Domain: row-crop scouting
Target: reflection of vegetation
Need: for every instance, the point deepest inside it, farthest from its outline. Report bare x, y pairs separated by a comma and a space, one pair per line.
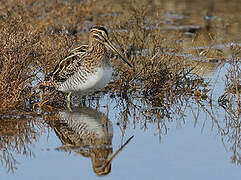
16, 136
230, 101
87, 132
231, 97
231, 134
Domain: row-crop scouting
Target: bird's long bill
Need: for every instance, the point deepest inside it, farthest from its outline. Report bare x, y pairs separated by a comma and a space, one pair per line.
110, 45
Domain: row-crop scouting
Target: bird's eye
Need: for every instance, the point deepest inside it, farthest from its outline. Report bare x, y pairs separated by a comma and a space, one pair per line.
97, 37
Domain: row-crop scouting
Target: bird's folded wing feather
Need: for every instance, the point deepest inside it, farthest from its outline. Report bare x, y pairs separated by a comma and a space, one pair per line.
68, 66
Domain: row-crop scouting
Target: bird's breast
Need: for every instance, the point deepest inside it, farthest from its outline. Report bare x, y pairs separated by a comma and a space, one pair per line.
83, 82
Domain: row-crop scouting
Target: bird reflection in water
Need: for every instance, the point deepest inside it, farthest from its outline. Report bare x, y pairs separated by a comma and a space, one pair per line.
87, 132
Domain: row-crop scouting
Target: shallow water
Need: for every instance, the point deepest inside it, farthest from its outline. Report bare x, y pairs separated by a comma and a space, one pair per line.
197, 139
186, 148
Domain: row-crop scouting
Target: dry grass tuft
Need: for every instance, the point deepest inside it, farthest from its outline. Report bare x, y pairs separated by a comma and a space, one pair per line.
32, 40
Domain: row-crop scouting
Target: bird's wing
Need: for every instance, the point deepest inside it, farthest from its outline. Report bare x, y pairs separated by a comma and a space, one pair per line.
67, 66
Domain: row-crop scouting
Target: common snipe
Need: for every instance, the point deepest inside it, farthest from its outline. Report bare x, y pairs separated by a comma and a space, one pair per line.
87, 68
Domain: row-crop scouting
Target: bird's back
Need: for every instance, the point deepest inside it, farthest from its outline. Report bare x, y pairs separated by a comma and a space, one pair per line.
67, 66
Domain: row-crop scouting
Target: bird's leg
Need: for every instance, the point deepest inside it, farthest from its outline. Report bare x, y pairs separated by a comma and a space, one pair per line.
83, 101
69, 101
69, 97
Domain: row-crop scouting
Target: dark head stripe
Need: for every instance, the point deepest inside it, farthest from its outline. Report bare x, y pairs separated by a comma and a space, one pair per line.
99, 28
